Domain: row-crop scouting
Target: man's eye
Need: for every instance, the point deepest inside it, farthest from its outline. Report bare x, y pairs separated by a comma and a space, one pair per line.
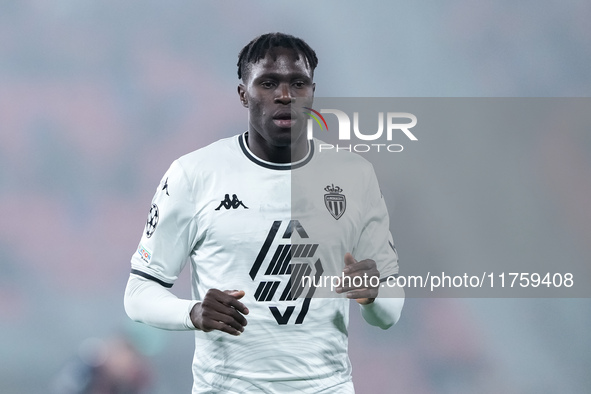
267, 85
299, 84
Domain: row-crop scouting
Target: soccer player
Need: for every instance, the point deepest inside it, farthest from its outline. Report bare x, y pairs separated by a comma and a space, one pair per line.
295, 213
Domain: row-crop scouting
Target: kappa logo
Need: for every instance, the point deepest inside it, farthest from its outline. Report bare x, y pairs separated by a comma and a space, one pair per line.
293, 260
234, 203
335, 202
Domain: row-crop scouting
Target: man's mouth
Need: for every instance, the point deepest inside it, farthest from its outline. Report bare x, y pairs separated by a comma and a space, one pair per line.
284, 120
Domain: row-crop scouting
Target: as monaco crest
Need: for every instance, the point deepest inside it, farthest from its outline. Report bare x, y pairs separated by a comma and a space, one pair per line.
335, 201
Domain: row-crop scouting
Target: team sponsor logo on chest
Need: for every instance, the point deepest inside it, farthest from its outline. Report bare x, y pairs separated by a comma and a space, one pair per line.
335, 201
294, 260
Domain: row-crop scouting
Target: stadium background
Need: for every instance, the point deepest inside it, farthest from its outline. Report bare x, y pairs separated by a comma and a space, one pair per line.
98, 97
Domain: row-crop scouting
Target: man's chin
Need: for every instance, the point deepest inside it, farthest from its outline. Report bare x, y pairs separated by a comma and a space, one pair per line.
284, 136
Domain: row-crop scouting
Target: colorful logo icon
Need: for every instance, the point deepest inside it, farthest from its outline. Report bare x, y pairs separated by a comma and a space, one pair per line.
145, 254
313, 114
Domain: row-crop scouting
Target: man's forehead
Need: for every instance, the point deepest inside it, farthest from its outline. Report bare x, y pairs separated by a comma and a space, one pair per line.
274, 53
279, 58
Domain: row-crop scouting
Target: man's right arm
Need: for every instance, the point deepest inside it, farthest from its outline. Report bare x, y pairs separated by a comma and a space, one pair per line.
149, 302
167, 240
170, 235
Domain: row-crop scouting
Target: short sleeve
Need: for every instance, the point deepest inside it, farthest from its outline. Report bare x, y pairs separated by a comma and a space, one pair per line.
170, 230
375, 241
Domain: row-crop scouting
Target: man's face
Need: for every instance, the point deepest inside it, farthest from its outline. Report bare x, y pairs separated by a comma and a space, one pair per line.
275, 91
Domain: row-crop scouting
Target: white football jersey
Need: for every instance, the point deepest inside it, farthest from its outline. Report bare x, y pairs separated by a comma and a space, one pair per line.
251, 225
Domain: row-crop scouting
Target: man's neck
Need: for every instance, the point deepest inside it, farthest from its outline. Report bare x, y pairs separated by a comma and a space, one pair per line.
290, 153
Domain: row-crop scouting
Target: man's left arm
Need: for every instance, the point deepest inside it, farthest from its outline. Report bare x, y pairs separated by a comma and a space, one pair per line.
382, 312
375, 247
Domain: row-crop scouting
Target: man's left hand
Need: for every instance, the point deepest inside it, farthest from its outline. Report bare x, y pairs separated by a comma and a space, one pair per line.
366, 270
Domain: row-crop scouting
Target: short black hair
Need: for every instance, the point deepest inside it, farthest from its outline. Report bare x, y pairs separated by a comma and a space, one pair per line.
258, 48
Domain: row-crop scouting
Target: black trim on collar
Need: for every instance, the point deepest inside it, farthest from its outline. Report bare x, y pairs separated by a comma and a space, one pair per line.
148, 276
272, 166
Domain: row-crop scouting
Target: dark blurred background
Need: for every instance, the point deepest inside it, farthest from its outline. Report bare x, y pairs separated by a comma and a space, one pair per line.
97, 98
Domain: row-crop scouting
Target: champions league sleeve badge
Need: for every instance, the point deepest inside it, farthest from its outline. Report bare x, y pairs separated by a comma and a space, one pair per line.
152, 222
335, 201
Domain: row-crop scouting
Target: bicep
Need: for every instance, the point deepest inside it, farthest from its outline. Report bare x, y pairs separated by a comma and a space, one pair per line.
170, 230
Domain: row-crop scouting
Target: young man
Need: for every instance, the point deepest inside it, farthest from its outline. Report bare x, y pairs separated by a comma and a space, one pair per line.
294, 213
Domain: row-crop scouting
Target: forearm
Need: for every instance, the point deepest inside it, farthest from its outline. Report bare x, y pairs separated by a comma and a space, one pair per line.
148, 302
383, 312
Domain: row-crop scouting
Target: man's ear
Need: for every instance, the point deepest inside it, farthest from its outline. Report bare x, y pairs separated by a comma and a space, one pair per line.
242, 95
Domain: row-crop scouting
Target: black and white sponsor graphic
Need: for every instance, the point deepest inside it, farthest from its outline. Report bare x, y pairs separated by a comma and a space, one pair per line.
292, 260
152, 222
335, 201
234, 203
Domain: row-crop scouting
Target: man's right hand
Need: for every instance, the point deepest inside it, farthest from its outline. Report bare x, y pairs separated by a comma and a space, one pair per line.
220, 310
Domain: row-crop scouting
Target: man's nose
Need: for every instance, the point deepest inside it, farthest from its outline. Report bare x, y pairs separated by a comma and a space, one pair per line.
284, 95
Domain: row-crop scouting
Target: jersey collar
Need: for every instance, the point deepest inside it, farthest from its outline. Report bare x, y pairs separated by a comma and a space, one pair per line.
270, 165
